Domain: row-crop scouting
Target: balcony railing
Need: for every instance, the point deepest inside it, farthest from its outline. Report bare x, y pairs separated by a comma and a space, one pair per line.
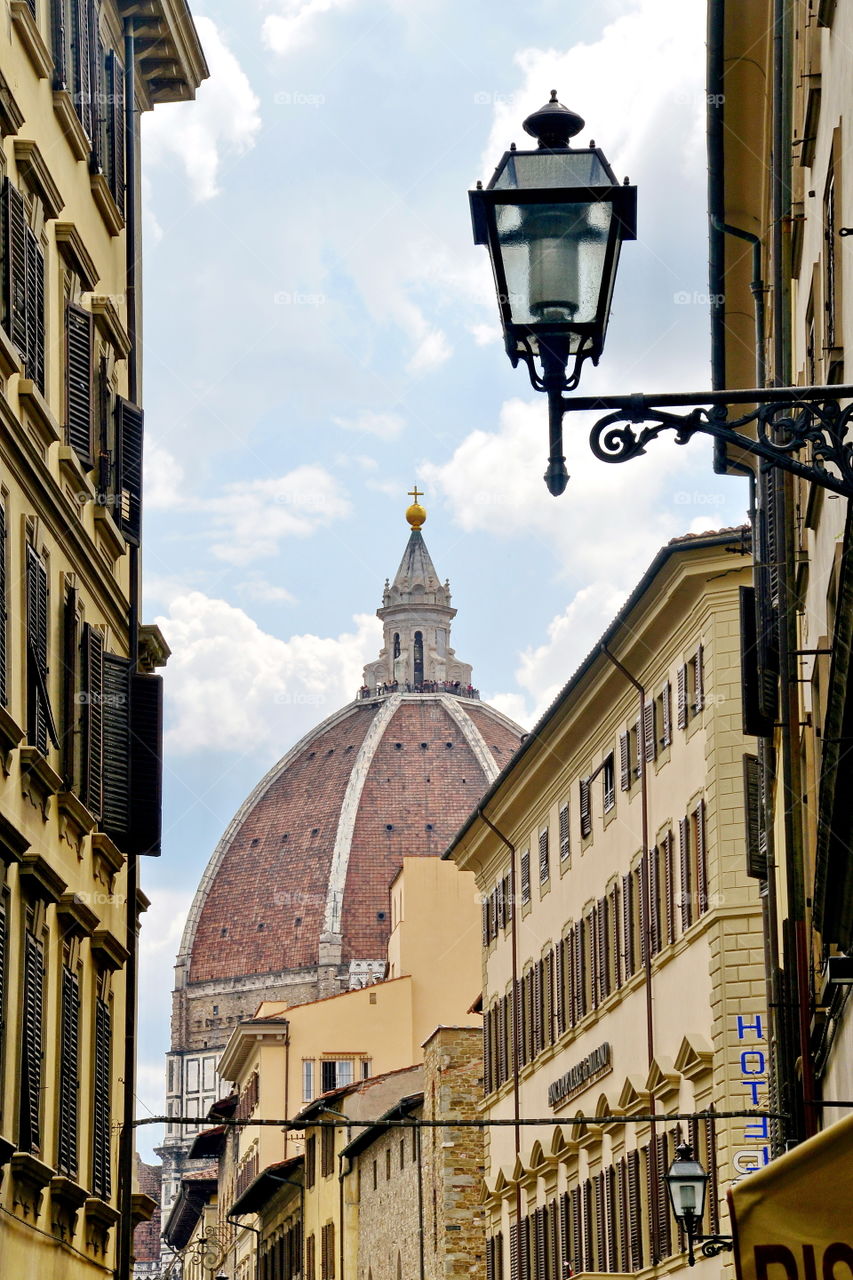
454, 687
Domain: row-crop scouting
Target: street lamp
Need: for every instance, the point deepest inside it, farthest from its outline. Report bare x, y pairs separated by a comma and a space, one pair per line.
688, 1183
553, 221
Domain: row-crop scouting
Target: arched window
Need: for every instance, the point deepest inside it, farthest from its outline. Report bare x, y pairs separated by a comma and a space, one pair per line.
419, 658
396, 644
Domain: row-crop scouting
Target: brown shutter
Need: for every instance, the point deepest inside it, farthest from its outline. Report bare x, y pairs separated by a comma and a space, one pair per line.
640, 887
544, 856
638, 738
701, 859
668, 887
577, 1232
624, 762
580, 967
649, 740
635, 1228
615, 947
115, 130
488, 1082
548, 995
493, 907
612, 1231
538, 1010
600, 1223
513, 1251
504, 1012
525, 877
539, 1228
35, 310
116, 770
563, 1253
129, 431
524, 1250
594, 956
15, 300
666, 715
29, 1135
560, 988
624, 1237
509, 904
654, 897
686, 886
490, 1258
628, 923
571, 976
711, 1166
682, 697
588, 1254
40, 721
69, 1069
586, 816
664, 1224
79, 332
603, 948
699, 663
565, 835
486, 922
101, 1117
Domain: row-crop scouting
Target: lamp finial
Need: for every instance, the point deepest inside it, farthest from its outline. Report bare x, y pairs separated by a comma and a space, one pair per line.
416, 514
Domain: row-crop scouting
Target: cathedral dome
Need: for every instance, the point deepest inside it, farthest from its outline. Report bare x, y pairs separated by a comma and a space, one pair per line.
294, 903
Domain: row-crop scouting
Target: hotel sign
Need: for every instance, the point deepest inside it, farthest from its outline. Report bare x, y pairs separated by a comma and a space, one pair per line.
576, 1079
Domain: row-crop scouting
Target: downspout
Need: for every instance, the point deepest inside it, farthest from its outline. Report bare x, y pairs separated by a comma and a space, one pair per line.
645, 921
714, 118
420, 1168
516, 1010
127, 1143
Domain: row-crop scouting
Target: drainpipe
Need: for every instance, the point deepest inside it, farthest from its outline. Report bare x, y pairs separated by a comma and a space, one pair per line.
244, 1226
127, 1143
645, 921
516, 1012
420, 1168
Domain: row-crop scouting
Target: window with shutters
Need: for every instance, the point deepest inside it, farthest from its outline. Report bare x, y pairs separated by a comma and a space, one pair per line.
114, 142
327, 1252
604, 950
664, 716
71, 702
681, 693
635, 1211
130, 425
23, 285
608, 783
668, 887
615, 943
588, 1226
700, 867
4, 604
655, 905
685, 896
544, 856
629, 949
565, 833
101, 1108
587, 975
696, 682
40, 722
69, 1071
585, 810
92, 790
625, 774
525, 877
32, 1038
79, 350
4, 966
310, 1265
327, 1151
310, 1160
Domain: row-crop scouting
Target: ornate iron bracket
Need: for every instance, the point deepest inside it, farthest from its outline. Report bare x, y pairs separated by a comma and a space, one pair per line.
712, 1245
787, 421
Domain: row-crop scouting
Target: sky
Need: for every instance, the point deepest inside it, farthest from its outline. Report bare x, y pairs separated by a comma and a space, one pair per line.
321, 333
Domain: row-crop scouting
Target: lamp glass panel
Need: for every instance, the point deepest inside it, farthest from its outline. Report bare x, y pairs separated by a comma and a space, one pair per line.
521, 170
554, 257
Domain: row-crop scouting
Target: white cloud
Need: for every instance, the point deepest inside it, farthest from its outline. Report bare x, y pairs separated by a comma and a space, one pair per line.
257, 588
387, 426
223, 121
251, 517
230, 682
164, 477
431, 352
484, 334
286, 31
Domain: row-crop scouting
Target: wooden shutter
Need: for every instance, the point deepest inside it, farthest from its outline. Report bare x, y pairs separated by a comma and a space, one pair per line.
29, 1137
82, 64
493, 912
603, 948
711, 1166
699, 687
101, 1163
540, 1240
525, 877
93, 724
571, 976
486, 922
59, 41
615, 947
564, 1251
624, 761
35, 310
4, 687
701, 859
612, 1230
3, 945
40, 721
635, 1226
524, 1250
488, 1077
15, 300
505, 1027
536, 998
654, 901
686, 885
588, 1231
508, 902
664, 1232
70, 704
130, 423
544, 856
666, 715
577, 1231
682, 696
490, 1258
79, 335
756, 852
565, 836
628, 922
624, 1236
641, 875
116, 728
600, 1223
638, 739
548, 995
580, 968
69, 1068
513, 1251
669, 887
586, 816
649, 739
115, 130
560, 988
310, 1264
594, 954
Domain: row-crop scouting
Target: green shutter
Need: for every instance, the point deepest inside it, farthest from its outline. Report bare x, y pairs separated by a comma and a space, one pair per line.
130, 422
101, 1164
116, 762
29, 1135
93, 720
79, 330
146, 765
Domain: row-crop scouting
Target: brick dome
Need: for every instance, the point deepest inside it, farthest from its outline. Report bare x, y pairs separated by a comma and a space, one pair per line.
309, 858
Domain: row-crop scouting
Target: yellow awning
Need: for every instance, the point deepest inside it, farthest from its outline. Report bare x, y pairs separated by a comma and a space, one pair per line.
793, 1220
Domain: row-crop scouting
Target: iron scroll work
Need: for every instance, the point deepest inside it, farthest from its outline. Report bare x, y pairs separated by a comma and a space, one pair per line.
788, 420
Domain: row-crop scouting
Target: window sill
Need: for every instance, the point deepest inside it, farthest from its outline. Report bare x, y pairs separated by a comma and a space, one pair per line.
45, 426
78, 920
110, 326
30, 37
40, 877
39, 780
108, 852
10, 358
33, 169
111, 536
74, 472
70, 244
108, 950
66, 1199
11, 115
69, 122
108, 208
75, 820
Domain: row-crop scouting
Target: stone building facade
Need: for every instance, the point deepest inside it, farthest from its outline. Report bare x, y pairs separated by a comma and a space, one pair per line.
623, 954
80, 702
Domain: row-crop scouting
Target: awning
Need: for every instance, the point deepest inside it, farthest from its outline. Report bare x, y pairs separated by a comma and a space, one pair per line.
793, 1220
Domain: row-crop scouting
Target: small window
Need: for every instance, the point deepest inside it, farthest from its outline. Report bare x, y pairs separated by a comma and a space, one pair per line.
387, 1164
585, 810
375, 1175
544, 856
565, 844
308, 1080
402, 1153
525, 877
696, 681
